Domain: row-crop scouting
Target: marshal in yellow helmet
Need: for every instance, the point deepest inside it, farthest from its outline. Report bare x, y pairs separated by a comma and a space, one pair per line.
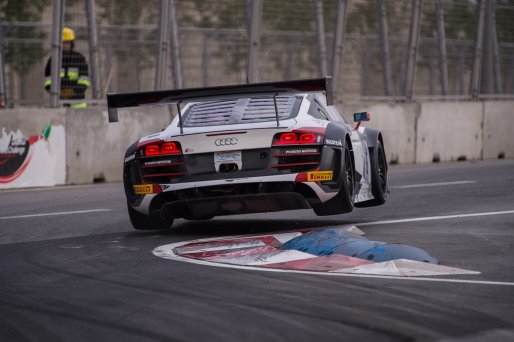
68, 35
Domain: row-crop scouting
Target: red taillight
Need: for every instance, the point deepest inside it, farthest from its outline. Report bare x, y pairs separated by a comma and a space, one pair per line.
297, 138
307, 138
170, 147
287, 138
152, 150
157, 149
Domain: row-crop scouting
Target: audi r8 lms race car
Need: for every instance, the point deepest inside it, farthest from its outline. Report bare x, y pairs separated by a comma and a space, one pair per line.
249, 149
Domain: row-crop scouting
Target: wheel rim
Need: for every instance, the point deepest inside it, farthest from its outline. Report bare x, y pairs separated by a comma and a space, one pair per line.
349, 173
382, 170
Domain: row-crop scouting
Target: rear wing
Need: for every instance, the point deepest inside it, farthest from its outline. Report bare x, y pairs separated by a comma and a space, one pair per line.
115, 101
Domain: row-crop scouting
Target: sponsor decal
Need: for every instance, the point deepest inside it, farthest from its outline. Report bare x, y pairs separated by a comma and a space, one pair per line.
129, 158
157, 162
334, 142
318, 176
310, 150
36, 160
226, 141
143, 189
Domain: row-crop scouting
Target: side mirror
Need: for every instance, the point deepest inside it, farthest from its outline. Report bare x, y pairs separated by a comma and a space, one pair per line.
362, 116
359, 117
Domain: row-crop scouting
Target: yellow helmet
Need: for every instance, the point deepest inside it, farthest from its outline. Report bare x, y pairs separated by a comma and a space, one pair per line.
68, 35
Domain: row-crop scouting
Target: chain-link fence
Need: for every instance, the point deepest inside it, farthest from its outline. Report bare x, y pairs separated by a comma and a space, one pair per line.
375, 48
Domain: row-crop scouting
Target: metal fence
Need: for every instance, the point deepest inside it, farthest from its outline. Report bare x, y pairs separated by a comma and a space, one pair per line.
374, 49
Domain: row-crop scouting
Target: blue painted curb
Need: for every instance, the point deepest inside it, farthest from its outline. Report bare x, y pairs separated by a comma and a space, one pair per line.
339, 241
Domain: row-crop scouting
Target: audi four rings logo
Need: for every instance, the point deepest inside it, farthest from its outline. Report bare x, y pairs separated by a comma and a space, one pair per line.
225, 141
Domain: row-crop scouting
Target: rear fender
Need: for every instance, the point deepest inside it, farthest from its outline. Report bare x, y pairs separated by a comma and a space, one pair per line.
372, 137
131, 175
335, 137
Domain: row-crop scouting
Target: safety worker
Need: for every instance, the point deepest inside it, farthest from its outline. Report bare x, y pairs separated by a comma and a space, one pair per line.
74, 74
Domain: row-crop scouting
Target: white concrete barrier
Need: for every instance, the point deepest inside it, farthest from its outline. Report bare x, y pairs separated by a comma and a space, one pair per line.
498, 129
448, 131
95, 148
397, 122
79, 146
32, 148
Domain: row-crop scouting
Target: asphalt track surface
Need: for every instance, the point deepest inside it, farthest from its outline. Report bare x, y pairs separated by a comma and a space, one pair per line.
71, 274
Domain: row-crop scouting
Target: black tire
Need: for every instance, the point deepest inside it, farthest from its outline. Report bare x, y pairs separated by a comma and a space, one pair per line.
147, 222
378, 177
343, 201
204, 218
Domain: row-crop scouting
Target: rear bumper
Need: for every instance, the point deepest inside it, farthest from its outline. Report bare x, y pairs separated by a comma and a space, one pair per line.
231, 205
271, 187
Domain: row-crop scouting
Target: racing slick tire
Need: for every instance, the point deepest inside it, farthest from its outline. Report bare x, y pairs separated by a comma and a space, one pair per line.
146, 222
378, 177
203, 218
343, 201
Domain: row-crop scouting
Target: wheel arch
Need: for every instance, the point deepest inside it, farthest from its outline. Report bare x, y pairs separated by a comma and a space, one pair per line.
373, 136
350, 146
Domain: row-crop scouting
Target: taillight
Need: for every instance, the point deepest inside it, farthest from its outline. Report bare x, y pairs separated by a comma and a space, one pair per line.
158, 149
297, 138
152, 150
287, 138
169, 148
307, 138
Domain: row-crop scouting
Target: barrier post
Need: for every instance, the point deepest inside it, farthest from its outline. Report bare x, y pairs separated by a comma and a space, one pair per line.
322, 43
441, 40
175, 46
162, 54
477, 57
384, 42
413, 48
255, 41
3, 91
339, 37
93, 49
57, 20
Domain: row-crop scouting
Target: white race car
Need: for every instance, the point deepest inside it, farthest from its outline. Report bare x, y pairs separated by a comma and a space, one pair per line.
249, 149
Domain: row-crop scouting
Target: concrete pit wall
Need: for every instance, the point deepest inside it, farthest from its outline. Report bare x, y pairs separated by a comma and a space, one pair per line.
448, 131
30, 120
432, 131
95, 148
423, 132
498, 131
397, 122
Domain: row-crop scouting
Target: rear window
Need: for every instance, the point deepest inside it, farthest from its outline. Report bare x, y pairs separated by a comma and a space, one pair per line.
241, 111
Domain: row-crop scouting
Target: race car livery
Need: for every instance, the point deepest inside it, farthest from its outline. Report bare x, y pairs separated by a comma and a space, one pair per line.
250, 149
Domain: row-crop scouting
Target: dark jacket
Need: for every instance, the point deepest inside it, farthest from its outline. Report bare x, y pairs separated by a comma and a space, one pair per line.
74, 76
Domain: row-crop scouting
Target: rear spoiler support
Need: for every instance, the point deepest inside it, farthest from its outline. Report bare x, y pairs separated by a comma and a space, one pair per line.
115, 101
276, 109
179, 111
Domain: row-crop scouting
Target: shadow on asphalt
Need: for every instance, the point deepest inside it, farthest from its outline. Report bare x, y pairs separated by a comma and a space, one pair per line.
223, 227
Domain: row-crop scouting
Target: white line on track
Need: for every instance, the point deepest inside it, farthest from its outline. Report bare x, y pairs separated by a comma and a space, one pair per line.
55, 214
432, 218
427, 185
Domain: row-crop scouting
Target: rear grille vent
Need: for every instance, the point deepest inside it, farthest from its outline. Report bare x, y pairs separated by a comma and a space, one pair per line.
245, 110
162, 169
296, 159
